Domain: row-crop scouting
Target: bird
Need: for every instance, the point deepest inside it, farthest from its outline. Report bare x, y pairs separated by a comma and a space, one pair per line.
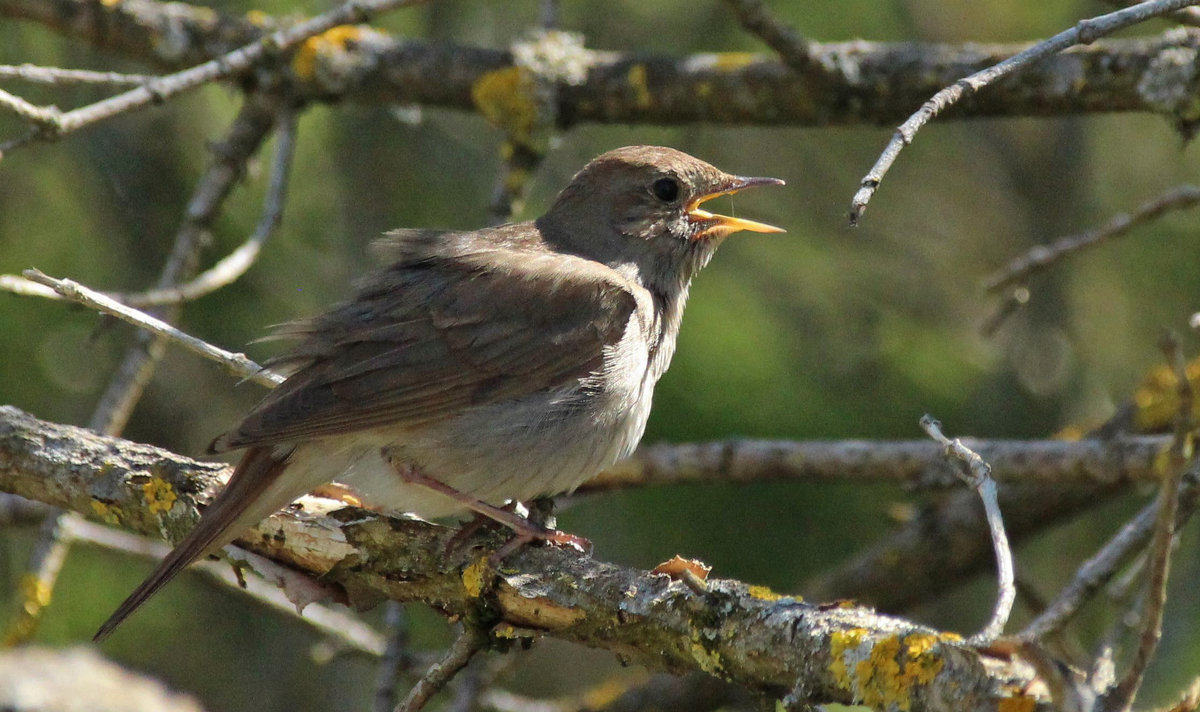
479, 368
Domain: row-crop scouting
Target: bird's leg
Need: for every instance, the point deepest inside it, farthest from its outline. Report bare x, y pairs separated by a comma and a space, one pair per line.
526, 530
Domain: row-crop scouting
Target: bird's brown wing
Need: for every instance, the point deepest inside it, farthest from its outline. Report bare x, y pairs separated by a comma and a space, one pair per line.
434, 335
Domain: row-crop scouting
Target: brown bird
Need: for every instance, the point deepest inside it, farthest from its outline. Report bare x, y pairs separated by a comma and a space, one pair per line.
483, 367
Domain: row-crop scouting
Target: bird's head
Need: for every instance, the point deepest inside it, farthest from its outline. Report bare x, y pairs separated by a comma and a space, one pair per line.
647, 200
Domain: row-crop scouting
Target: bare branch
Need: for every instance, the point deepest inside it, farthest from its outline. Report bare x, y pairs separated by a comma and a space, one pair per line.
249, 129
236, 263
53, 124
347, 631
1084, 32
861, 83
978, 475
758, 19
37, 584
236, 364
1121, 697
469, 642
648, 618
1042, 257
56, 75
1054, 463
1103, 565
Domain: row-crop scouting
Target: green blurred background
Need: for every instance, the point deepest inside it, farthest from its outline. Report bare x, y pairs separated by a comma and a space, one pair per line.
824, 332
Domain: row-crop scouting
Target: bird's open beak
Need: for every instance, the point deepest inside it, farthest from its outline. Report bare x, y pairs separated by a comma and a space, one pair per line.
721, 225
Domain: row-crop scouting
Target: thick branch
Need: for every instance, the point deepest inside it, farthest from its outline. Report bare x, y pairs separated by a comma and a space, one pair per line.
745, 634
842, 83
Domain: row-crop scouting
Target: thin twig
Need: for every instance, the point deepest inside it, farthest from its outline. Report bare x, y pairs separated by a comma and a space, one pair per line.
236, 263
249, 129
349, 632
978, 474
41, 116
37, 584
1041, 257
1084, 32
1098, 570
54, 124
1122, 695
237, 364
397, 657
1187, 16
227, 270
758, 19
57, 75
464, 647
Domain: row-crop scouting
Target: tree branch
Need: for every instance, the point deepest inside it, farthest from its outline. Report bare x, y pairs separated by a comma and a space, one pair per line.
844, 83
745, 634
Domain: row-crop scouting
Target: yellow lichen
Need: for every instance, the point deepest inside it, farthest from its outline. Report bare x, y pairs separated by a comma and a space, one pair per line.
304, 62
474, 577
882, 673
106, 512
729, 61
709, 660
35, 593
641, 88
763, 593
160, 496
110, 3
1156, 401
258, 17
878, 676
922, 665
505, 97
841, 644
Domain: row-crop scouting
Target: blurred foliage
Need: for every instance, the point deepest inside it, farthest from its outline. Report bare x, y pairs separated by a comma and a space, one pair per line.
820, 333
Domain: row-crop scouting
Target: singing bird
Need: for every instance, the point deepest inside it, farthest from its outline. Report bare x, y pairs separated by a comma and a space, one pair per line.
482, 367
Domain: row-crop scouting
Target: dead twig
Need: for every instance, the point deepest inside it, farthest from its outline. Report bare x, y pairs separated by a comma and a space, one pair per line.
1121, 696
50, 123
237, 364
465, 646
977, 473
1084, 32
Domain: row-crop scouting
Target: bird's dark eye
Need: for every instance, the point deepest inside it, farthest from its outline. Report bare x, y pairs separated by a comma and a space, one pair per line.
665, 189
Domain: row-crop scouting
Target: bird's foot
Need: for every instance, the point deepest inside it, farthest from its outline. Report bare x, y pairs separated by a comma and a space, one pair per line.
535, 532
526, 530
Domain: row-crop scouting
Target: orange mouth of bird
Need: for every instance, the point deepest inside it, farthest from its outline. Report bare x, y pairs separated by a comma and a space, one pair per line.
714, 225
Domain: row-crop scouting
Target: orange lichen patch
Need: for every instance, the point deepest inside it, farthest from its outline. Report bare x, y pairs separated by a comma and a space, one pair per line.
1020, 703
106, 512
1156, 401
882, 673
677, 565
505, 97
160, 495
336, 39
641, 88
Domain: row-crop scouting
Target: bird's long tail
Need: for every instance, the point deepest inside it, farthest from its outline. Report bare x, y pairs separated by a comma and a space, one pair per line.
247, 499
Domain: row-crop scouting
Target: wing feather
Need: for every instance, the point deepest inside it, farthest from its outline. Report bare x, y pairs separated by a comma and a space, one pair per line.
439, 332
